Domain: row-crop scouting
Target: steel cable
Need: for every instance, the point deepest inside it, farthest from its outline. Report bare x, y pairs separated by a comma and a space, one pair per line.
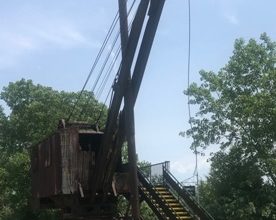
105, 63
109, 33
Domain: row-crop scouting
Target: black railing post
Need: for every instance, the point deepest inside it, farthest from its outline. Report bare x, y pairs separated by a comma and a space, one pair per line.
163, 169
190, 201
150, 175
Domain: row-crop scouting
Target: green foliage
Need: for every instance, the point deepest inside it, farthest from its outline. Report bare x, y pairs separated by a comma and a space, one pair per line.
145, 211
14, 185
35, 112
237, 111
36, 109
236, 188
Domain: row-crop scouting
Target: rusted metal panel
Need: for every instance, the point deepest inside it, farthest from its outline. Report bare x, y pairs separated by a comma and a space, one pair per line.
64, 162
76, 164
67, 145
45, 168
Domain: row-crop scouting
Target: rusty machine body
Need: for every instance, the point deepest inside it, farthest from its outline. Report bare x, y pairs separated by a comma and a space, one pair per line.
62, 168
78, 169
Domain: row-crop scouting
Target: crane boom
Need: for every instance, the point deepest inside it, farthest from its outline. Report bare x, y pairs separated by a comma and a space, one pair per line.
127, 87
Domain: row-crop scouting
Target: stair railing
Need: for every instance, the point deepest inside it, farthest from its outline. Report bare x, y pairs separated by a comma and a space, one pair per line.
154, 172
161, 203
154, 208
185, 196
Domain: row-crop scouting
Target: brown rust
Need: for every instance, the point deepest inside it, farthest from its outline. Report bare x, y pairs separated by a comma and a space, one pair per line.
64, 162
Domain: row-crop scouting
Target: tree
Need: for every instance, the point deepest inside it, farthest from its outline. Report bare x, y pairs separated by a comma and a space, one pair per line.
35, 112
14, 185
237, 111
36, 109
236, 188
123, 203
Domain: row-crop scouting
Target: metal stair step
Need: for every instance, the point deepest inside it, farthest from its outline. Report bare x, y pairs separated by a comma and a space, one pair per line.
185, 218
176, 204
179, 211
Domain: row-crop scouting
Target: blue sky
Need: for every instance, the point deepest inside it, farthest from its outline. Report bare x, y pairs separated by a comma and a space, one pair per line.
54, 44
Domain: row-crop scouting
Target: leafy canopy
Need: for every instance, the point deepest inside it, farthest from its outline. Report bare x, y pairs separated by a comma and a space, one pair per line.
36, 110
34, 114
237, 111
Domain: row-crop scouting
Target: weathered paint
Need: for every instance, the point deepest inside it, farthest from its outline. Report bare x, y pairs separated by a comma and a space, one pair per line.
60, 166
46, 172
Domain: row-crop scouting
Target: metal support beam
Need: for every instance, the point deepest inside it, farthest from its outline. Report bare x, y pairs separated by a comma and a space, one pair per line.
120, 88
120, 139
129, 118
123, 86
155, 12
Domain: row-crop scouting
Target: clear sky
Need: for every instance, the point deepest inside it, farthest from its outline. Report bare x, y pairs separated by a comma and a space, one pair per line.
55, 42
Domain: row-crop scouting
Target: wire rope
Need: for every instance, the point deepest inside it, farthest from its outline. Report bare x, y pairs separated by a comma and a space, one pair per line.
105, 63
110, 68
195, 174
109, 33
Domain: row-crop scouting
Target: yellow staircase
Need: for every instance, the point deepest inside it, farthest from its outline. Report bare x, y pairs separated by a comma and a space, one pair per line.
177, 208
167, 197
